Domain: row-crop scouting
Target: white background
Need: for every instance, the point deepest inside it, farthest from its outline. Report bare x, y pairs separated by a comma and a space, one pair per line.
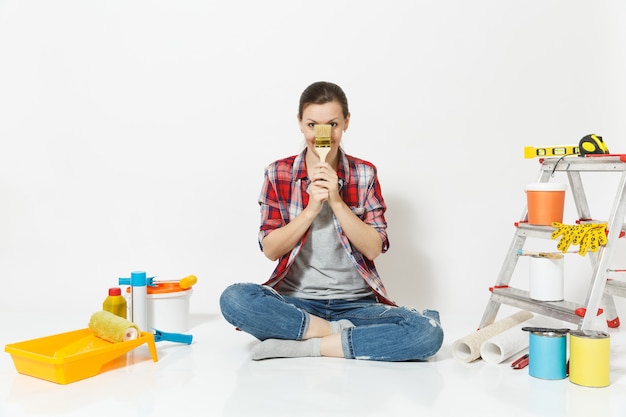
133, 134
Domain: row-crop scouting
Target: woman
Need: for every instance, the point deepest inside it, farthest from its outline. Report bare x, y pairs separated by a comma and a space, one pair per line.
324, 223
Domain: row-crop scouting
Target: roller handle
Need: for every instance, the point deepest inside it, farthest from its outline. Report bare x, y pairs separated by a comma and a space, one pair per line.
184, 283
172, 337
188, 281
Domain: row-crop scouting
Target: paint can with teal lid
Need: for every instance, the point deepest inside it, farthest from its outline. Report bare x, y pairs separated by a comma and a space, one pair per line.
547, 353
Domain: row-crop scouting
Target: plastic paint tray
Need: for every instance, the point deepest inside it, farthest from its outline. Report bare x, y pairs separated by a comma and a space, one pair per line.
68, 357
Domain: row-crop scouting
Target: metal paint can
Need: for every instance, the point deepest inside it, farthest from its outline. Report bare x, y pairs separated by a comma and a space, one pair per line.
547, 355
589, 362
546, 279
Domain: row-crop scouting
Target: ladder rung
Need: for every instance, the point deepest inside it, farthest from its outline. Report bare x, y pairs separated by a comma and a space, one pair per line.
563, 310
615, 287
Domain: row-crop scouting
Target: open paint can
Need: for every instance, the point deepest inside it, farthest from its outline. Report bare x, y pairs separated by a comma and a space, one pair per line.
589, 363
547, 355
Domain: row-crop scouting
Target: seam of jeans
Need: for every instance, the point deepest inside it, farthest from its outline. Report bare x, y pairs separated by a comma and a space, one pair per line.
346, 344
304, 325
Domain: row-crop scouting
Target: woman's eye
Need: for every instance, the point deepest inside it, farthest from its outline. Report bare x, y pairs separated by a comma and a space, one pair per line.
333, 124
311, 125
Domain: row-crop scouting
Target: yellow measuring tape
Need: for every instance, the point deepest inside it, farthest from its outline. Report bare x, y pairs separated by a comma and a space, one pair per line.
532, 152
593, 144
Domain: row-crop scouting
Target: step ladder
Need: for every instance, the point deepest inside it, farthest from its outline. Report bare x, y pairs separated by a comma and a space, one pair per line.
601, 291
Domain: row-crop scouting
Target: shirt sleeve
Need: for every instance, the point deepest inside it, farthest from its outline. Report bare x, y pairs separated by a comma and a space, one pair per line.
375, 208
271, 217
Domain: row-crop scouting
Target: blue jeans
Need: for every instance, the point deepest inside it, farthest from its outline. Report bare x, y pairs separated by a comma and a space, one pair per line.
381, 332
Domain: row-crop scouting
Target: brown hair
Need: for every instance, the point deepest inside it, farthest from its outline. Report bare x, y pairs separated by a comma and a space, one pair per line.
323, 92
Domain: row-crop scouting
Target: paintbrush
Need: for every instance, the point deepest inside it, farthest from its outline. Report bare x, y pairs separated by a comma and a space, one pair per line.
548, 255
322, 140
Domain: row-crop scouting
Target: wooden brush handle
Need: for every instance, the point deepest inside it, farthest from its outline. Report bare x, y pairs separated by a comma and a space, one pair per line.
323, 153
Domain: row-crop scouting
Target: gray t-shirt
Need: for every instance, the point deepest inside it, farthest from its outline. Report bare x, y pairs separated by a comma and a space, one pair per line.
322, 270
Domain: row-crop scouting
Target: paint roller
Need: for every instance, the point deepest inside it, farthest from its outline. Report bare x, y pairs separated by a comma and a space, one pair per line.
184, 283
115, 329
112, 328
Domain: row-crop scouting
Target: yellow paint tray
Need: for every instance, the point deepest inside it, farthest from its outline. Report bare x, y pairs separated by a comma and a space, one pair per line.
68, 357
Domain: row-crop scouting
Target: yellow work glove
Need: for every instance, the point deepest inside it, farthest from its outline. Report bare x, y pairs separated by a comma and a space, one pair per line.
589, 236
593, 238
567, 235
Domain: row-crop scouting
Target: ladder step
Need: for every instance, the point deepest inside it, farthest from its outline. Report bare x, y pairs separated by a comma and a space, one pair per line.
605, 163
615, 287
529, 230
562, 310
545, 232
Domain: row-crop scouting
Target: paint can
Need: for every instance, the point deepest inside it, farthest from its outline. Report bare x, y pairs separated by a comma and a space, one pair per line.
546, 201
546, 279
167, 306
547, 355
589, 363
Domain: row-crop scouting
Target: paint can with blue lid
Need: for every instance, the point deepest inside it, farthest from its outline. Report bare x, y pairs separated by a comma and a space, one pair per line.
547, 353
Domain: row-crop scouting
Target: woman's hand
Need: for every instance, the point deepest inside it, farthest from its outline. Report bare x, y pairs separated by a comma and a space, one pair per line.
324, 185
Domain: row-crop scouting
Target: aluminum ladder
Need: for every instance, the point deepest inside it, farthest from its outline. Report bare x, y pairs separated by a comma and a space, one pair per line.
601, 291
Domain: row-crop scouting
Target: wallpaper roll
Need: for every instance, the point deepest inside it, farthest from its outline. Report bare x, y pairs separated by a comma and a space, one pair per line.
512, 341
467, 349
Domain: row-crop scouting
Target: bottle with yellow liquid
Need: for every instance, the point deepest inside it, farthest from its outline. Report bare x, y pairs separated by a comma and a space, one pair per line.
115, 303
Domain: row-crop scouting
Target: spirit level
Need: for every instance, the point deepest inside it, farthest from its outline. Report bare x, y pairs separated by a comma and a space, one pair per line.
546, 152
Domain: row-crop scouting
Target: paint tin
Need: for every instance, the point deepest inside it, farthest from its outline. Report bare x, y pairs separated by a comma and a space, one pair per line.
167, 306
546, 201
546, 279
547, 355
589, 363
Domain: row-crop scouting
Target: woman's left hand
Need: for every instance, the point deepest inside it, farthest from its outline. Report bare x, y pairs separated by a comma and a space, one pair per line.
325, 179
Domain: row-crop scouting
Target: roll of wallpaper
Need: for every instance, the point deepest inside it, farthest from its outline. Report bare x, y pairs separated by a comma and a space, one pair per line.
467, 349
502, 346
112, 328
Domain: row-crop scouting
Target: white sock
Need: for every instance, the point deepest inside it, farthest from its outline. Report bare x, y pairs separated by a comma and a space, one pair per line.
278, 348
339, 326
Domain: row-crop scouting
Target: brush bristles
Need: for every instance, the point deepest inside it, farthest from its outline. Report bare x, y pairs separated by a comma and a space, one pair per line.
322, 142
322, 136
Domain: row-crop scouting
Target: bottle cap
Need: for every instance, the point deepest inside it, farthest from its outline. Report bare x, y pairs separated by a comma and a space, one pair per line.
115, 291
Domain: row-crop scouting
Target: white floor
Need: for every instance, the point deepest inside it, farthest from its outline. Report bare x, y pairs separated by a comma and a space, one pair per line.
214, 377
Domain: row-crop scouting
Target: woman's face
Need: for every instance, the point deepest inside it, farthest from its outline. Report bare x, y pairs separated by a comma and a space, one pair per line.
329, 113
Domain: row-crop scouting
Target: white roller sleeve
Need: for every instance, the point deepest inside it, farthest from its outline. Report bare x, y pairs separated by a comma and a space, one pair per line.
467, 349
512, 341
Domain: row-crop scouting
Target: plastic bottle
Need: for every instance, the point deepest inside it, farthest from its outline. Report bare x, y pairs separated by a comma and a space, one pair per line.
115, 303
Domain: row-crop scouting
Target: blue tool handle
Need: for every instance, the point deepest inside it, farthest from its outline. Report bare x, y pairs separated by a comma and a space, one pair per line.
172, 337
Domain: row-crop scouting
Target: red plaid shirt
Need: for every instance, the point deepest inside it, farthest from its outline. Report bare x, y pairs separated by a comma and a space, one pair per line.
284, 196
